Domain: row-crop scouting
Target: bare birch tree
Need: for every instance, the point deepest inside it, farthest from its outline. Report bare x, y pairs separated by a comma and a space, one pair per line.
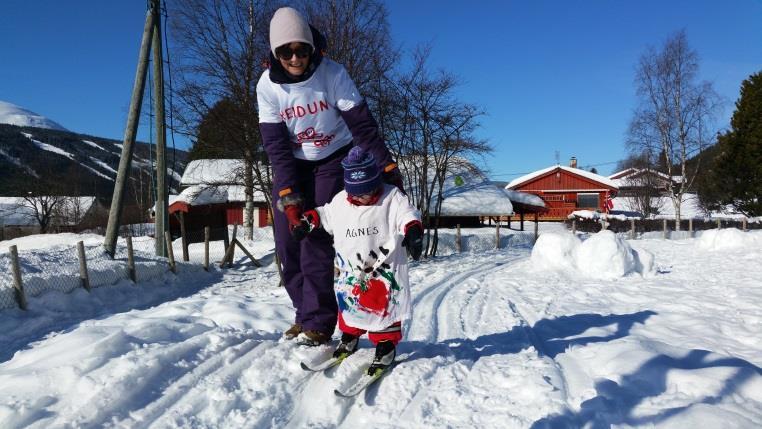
221, 46
675, 113
41, 207
432, 131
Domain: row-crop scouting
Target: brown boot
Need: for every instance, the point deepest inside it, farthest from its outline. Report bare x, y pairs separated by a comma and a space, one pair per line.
293, 331
312, 338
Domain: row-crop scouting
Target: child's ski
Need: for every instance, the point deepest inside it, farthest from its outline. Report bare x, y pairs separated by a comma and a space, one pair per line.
361, 384
324, 365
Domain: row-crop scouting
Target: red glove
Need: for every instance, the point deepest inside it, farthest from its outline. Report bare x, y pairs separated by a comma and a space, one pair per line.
306, 224
393, 176
293, 215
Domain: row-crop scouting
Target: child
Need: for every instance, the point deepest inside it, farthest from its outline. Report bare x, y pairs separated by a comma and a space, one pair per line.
370, 222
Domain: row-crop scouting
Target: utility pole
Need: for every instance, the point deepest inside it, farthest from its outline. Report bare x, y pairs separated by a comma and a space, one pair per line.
161, 220
151, 35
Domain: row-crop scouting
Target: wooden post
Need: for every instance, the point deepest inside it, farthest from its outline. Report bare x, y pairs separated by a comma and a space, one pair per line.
83, 266
162, 189
184, 237
521, 221
230, 251
170, 251
743, 223
130, 132
632, 229
458, 245
497, 236
246, 251
719, 223
17, 283
690, 227
574, 226
536, 226
226, 240
664, 233
130, 260
207, 233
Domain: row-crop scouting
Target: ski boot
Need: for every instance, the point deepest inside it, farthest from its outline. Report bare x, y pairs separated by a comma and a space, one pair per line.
347, 346
385, 353
312, 338
293, 331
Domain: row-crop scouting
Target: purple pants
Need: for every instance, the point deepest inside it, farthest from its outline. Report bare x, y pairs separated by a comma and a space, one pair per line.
308, 265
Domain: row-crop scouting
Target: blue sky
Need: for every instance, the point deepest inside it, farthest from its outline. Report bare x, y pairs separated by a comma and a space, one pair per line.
553, 76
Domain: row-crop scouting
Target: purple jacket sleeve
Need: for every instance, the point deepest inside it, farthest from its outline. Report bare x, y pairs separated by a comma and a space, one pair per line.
364, 129
278, 147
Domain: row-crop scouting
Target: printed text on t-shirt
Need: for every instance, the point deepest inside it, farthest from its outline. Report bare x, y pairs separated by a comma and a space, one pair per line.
299, 111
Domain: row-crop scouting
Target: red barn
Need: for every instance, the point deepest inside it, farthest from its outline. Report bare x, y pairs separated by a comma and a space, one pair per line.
213, 196
566, 189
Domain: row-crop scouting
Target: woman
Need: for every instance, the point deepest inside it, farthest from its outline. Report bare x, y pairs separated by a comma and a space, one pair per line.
310, 115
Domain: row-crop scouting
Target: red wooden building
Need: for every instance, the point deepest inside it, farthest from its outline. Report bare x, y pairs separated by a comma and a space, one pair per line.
566, 189
213, 197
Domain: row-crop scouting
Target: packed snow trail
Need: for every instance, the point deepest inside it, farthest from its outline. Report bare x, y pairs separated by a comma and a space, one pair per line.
494, 342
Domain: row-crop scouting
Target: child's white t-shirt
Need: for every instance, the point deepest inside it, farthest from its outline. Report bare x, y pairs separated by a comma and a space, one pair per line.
372, 288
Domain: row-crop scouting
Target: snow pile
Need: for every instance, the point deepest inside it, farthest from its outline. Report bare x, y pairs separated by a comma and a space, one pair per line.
731, 238
594, 215
15, 115
603, 256
555, 250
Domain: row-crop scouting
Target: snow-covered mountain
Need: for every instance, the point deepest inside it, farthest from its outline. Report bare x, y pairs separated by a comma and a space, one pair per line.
39, 155
14, 115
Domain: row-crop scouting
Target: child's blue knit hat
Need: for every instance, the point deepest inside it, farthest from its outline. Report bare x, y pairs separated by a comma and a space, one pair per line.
361, 175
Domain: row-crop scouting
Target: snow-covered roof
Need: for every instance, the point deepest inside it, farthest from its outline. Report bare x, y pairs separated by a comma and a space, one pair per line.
199, 195
524, 198
211, 171
15, 115
623, 173
474, 199
628, 177
592, 176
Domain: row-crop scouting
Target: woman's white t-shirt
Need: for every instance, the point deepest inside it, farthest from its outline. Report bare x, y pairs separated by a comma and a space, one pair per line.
310, 109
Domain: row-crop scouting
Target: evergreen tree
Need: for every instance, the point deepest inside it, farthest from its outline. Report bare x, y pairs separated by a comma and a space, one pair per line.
219, 133
735, 176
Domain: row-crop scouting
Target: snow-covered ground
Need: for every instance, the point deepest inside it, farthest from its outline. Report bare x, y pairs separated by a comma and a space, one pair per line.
591, 332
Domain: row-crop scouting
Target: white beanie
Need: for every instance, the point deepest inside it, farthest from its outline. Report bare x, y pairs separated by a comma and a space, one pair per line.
288, 26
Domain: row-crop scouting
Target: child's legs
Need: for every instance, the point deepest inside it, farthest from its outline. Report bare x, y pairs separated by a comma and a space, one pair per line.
393, 333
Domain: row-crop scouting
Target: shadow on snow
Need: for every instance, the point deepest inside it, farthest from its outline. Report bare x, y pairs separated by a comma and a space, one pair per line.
41, 325
552, 335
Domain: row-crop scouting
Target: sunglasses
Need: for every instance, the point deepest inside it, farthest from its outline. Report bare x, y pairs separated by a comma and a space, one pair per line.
285, 52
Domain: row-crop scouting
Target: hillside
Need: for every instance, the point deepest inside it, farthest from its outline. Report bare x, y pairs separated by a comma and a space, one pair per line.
69, 163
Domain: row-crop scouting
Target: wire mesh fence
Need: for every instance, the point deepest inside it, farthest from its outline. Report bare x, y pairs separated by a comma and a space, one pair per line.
64, 268
7, 292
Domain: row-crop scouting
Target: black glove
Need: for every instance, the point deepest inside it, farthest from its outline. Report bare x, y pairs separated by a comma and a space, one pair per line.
308, 222
414, 239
